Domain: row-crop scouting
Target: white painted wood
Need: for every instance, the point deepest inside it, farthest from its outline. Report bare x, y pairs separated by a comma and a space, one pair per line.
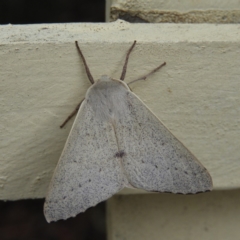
207, 216
197, 95
185, 11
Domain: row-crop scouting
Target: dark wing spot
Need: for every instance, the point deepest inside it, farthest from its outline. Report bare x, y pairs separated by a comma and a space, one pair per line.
176, 168
186, 172
130, 106
120, 154
89, 180
156, 166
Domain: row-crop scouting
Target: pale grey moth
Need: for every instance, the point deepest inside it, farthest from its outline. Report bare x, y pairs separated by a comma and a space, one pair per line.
117, 142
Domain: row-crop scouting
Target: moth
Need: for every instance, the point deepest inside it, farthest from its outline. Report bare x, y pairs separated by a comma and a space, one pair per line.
117, 142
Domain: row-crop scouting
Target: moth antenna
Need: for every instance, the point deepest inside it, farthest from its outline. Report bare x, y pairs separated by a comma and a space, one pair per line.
90, 77
147, 75
126, 61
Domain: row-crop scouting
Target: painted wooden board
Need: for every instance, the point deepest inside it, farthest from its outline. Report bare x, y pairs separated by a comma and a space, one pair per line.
196, 95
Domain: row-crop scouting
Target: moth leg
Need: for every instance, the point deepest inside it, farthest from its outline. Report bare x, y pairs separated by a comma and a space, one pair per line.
126, 61
147, 75
72, 114
90, 77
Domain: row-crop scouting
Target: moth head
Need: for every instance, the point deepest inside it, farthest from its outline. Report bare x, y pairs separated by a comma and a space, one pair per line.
104, 78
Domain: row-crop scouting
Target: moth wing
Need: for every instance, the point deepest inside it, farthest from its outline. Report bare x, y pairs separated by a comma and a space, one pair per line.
87, 172
154, 159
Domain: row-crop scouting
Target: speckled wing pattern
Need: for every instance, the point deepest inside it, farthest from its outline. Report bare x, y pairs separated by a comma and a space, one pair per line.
154, 159
116, 142
87, 172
